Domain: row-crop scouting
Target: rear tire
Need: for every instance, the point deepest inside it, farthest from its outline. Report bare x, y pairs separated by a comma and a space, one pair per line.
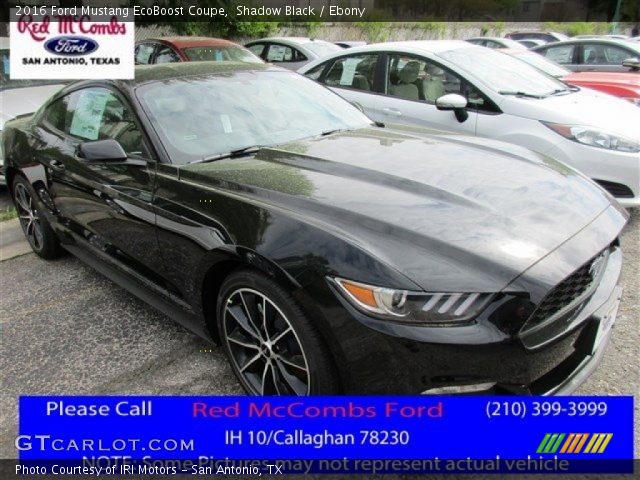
272, 346
36, 228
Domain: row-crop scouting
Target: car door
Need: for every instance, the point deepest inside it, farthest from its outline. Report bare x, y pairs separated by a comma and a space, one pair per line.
411, 86
285, 56
602, 57
354, 78
107, 207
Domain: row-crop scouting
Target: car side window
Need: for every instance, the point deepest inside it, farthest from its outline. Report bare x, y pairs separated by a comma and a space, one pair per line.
355, 72
98, 114
257, 49
562, 54
165, 54
143, 53
57, 113
315, 72
283, 53
596, 54
419, 79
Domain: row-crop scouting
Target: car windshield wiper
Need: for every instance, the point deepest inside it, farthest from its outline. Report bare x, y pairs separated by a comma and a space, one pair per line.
330, 132
239, 152
519, 94
568, 89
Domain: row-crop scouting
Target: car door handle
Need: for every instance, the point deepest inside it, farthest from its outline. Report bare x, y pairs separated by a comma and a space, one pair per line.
392, 111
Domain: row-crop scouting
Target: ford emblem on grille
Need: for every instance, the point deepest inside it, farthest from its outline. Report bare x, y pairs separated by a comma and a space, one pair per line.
71, 46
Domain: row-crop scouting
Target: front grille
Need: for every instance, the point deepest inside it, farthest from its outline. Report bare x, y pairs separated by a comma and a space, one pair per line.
616, 189
567, 292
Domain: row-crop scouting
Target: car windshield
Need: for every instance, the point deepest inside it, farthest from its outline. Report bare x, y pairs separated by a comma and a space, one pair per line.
235, 54
199, 117
503, 73
6, 82
542, 63
322, 49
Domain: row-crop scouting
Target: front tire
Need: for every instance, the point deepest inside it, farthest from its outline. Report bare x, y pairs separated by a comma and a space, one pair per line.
36, 228
272, 346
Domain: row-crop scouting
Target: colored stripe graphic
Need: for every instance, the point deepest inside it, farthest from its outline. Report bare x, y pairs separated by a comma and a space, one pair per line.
555, 447
606, 442
550, 443
597, 443
582, 442
568, 442
594, 437
543, 443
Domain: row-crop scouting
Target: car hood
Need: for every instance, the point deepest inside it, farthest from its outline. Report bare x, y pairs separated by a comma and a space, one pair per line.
19, 101
584, 107
448, 212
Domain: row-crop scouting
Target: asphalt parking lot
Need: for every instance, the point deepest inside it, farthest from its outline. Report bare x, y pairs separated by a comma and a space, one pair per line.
66, 329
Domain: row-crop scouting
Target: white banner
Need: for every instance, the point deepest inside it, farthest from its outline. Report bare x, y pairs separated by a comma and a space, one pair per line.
75, 47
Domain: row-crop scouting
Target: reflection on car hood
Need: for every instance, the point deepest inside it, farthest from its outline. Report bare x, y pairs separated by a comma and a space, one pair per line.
18, 101
433, 207
585, 107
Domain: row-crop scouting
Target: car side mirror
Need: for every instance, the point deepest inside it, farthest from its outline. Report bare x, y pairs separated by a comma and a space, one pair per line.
455, 102
632, 63
108, 150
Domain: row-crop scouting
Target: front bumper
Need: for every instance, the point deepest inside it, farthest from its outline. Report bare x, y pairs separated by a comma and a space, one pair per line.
378, 357
603, 165
605, 318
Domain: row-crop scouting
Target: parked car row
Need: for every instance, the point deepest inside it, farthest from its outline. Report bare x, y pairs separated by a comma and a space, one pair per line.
625, 85
386, 234
328, 253
601, 54
455, 86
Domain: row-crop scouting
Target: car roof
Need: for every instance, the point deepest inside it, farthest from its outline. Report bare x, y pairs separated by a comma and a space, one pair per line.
415, 46
186, 42
602, 40
495, 39
167, 71
290, 40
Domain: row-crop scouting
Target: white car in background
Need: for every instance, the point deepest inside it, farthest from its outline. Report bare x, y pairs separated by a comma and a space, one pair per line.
455, 86
291, 52
19, 97
496, 42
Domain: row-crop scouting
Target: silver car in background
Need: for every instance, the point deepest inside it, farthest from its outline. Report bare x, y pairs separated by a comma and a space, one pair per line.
291, 52
19, 97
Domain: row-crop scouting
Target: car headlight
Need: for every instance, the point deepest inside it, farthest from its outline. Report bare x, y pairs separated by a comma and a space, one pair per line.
595, 137
443, 308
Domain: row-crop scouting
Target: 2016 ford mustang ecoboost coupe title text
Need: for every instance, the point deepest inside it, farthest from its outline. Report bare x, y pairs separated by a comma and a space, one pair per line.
325, 253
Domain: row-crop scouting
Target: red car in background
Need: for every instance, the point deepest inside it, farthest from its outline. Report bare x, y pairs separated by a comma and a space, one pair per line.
625, 85
190, 49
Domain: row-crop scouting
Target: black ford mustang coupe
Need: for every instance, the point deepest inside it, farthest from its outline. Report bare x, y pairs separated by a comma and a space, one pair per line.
325, 253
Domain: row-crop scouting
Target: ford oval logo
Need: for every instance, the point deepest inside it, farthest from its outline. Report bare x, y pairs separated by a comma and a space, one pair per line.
71, 45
